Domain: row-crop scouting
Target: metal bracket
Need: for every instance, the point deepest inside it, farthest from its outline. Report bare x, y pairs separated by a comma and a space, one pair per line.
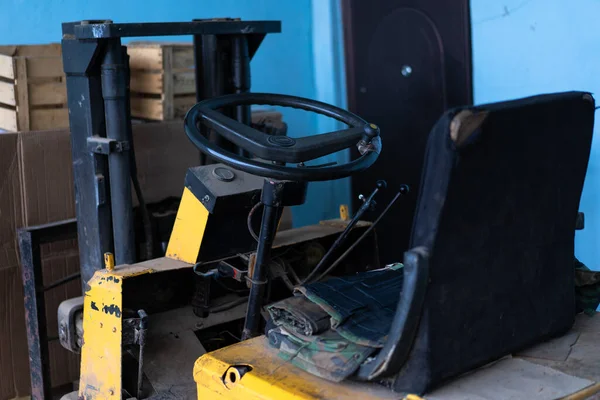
102, 145
69, 312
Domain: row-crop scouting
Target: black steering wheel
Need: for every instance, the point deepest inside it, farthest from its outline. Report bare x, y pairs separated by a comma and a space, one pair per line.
276, 151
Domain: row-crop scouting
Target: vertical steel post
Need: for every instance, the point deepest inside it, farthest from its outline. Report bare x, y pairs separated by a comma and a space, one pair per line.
114, 92
90, 170
271, 199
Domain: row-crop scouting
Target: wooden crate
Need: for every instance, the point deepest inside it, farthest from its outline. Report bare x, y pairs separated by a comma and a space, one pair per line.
33, 94
162, 79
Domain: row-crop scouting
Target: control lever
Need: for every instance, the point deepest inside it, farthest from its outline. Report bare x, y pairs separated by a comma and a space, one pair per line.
403, 190
368, 203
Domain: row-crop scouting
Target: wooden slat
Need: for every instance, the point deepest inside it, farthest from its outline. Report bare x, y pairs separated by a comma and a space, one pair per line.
167, 95
22, 91
184, 82
6, 67
8, 119
49, 118
183, 57
146, 82
145, 58
151, 109
35, 50
49, 93
146, 108
44, 67
7, 93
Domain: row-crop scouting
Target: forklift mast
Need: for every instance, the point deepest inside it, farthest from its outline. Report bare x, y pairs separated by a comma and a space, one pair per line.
97, 74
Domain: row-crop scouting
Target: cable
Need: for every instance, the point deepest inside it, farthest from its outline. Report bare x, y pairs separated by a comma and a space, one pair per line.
365, 233
249, 220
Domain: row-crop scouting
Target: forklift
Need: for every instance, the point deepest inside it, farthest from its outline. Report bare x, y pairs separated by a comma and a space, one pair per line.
487, 273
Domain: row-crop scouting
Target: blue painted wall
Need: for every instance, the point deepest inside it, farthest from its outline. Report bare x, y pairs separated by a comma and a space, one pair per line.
285, 62
520, 48
523, 48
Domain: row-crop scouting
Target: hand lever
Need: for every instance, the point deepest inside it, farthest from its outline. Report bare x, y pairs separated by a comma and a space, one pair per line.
403, 190
381, 184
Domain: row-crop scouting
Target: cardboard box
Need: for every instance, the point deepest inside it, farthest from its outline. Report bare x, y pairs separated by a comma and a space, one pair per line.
36, 187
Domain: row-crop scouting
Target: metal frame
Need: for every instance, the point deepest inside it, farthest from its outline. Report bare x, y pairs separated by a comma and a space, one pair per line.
97, 69
30, 241
97, 75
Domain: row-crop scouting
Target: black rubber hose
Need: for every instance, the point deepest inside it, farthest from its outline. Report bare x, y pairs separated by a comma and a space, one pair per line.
144, 209
249, 220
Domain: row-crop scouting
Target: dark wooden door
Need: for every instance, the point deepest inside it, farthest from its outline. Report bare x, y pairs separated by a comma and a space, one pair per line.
407, 61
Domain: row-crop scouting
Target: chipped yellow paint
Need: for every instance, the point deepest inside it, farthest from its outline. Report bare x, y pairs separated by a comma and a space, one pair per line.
188, 230
271, 378
109, 261
101, 368
101, 352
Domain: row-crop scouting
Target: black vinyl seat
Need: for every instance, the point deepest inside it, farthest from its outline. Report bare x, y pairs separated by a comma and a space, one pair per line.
491, 265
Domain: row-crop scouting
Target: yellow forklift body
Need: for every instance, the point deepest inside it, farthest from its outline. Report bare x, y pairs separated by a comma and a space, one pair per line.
101, 354
252, 370
188, 229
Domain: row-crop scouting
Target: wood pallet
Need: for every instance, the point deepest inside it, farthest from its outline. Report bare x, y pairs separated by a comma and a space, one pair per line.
162, 79
33, 94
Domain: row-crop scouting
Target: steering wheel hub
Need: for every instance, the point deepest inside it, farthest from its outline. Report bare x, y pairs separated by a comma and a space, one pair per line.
281, 141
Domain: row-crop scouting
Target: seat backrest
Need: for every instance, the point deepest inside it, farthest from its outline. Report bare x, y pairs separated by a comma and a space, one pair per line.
496, 218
